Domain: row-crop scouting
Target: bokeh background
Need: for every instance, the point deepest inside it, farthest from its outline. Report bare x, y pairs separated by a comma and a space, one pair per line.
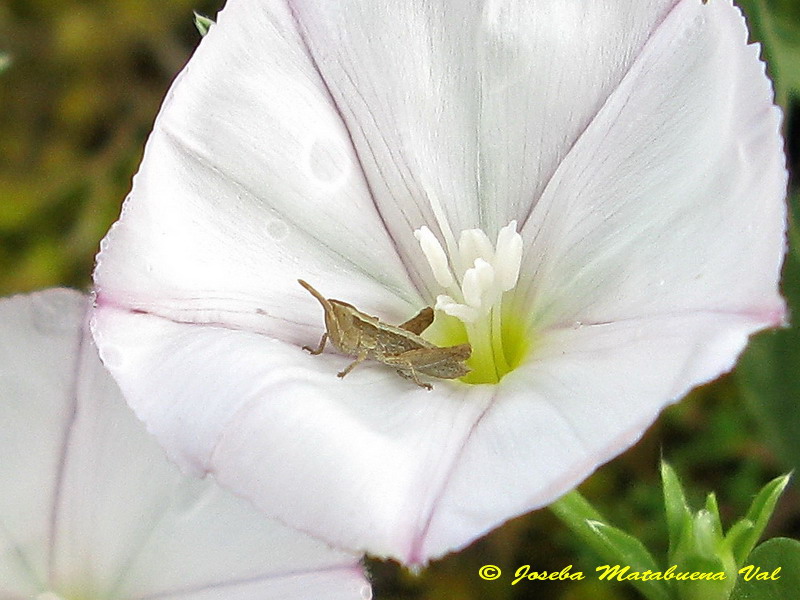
77, 100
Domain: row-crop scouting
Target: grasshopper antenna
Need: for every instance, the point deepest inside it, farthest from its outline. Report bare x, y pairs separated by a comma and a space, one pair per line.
322, 300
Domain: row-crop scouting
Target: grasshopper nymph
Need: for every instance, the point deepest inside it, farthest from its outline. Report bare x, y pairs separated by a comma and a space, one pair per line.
400, 347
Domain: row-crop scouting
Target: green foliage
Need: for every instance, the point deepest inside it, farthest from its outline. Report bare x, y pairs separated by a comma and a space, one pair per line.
86, 82
697, 542
202, 23
773, 572
611, 543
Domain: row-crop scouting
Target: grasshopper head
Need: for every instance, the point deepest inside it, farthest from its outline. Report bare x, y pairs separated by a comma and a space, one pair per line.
342, 326
338, 320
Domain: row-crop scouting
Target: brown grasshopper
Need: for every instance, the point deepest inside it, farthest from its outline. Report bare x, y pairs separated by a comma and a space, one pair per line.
401, 347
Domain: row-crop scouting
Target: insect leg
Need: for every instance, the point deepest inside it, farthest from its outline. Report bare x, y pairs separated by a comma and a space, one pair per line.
361, 358
320, 347
410, 373
427, 386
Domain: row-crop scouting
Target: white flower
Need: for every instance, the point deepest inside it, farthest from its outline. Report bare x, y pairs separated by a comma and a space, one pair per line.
591, 195
91, 509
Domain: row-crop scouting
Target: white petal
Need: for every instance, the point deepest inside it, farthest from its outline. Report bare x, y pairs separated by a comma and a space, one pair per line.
473, 103
358, 461
672, 200
547, 67
39, 342
127, 522
395, 469
587, 395
249, 182
405, 79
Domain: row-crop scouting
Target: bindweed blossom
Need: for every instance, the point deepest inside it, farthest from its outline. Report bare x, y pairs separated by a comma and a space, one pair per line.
589, 194
91, 509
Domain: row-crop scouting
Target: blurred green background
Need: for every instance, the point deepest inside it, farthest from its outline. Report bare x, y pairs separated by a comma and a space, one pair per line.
77, 101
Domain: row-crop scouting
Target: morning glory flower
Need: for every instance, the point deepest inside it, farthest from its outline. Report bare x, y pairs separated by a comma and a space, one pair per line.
90, 507
589, 194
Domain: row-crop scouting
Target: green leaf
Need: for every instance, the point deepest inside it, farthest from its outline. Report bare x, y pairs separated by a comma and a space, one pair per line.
679, 517
612, 544
203, 23
5, 61
777, 553
574, 508
620, 548
739, 539
758, 515
712, 507
707, 535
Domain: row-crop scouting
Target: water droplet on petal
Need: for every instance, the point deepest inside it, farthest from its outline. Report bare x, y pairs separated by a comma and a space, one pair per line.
692, 32
277, 230
329, 161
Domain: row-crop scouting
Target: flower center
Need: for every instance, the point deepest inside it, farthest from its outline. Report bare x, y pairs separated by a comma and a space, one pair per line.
475, 275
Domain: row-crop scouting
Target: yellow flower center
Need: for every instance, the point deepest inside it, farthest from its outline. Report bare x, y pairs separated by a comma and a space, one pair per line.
475, 275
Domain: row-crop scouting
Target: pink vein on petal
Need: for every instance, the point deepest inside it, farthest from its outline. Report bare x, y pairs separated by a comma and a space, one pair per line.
416, 555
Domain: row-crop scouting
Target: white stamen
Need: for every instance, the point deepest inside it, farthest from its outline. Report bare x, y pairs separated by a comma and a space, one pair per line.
471, 288
472, 244
509, 246
436, 256
494, 270
465, 313
486, 274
